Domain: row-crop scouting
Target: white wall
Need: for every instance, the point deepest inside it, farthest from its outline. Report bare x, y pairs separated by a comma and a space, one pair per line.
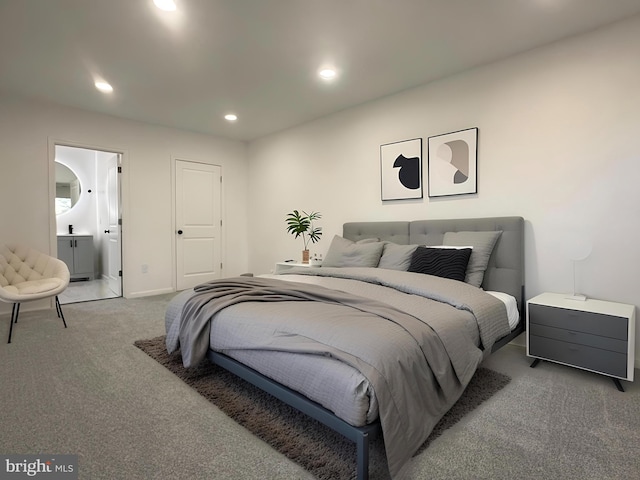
559, 144
28, 128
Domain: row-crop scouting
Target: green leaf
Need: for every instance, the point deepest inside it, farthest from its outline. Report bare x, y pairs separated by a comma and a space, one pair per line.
301, 223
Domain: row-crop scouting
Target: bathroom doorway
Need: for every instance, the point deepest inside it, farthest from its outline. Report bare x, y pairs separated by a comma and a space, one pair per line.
88, 221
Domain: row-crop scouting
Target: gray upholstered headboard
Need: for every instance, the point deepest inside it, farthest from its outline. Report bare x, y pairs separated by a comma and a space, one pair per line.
505, 272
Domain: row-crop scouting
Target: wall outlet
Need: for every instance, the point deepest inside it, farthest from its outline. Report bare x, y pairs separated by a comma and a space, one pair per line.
144, 268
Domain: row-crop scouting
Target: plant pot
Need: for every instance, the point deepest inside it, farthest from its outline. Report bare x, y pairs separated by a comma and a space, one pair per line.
305, 256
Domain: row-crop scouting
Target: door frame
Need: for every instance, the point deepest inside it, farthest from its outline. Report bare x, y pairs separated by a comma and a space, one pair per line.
223, 237
52, 142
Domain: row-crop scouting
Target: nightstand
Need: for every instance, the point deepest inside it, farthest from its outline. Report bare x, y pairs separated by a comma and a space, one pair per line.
592, 335
283, 266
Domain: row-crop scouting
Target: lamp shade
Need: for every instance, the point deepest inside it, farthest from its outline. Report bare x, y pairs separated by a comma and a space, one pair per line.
578, 247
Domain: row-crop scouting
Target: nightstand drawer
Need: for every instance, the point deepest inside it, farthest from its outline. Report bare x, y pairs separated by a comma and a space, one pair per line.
580, 338
579, 321
604, 361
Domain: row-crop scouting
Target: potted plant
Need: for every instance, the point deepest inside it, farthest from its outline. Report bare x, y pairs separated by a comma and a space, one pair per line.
302, 224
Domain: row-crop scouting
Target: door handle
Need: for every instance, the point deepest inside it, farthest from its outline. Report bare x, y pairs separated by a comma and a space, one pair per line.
107, 231
179, 232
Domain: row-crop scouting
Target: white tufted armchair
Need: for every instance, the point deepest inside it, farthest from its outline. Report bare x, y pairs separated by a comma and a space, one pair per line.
26, 274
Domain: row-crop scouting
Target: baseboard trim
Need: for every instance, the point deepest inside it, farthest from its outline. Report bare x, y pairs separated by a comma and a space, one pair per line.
149, 293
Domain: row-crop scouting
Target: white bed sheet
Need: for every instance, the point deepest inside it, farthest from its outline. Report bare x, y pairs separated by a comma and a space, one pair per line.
512, 307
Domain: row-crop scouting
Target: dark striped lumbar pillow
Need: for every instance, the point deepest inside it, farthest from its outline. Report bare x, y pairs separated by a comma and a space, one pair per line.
441, 262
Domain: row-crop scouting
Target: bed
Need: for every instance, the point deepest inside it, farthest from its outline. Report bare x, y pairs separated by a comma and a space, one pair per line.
382, 339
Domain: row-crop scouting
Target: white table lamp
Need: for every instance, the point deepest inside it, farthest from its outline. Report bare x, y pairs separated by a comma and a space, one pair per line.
579, 248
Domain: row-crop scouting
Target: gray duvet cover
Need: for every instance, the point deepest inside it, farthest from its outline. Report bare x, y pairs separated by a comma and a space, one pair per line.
406, 333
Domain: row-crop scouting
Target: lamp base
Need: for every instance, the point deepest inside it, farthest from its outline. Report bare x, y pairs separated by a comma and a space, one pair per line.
576, 296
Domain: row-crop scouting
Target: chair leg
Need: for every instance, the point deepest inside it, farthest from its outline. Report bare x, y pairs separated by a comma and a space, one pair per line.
14, 318
16, 311
59, 311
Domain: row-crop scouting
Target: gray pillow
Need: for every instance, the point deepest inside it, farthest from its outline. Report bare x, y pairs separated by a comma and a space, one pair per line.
396, 257
367, 240
482, 243
345, 253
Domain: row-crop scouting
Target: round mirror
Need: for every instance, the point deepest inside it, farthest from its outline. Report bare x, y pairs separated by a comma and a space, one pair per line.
67, 189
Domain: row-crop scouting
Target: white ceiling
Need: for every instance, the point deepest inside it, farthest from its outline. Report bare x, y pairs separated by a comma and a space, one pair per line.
259, 58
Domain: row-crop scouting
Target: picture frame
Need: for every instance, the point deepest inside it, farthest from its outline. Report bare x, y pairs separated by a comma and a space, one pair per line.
401, 170
453, 163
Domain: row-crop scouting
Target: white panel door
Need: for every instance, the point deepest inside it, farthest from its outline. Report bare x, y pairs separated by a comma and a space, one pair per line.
114, 263
198, 223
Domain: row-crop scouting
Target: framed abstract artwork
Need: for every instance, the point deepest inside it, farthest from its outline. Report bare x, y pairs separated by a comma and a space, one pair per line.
453, 163
401, 169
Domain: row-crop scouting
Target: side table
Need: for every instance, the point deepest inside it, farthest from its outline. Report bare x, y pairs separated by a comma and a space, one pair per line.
592, 335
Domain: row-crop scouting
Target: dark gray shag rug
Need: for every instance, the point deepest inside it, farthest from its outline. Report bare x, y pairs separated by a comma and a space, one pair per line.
321, 451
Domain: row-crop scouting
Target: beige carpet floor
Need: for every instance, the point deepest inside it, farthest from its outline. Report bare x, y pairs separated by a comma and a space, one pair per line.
321, 451
87, 390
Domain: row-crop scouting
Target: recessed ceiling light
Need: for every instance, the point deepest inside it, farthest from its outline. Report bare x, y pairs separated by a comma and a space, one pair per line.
327, 73
104, 87
166, 5
231, 117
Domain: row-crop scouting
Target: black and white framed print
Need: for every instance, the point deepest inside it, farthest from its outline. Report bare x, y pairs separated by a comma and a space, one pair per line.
401, 169
453, 163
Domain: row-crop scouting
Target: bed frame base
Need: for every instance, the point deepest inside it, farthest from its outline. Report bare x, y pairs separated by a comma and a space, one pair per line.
360, 435
508, 338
